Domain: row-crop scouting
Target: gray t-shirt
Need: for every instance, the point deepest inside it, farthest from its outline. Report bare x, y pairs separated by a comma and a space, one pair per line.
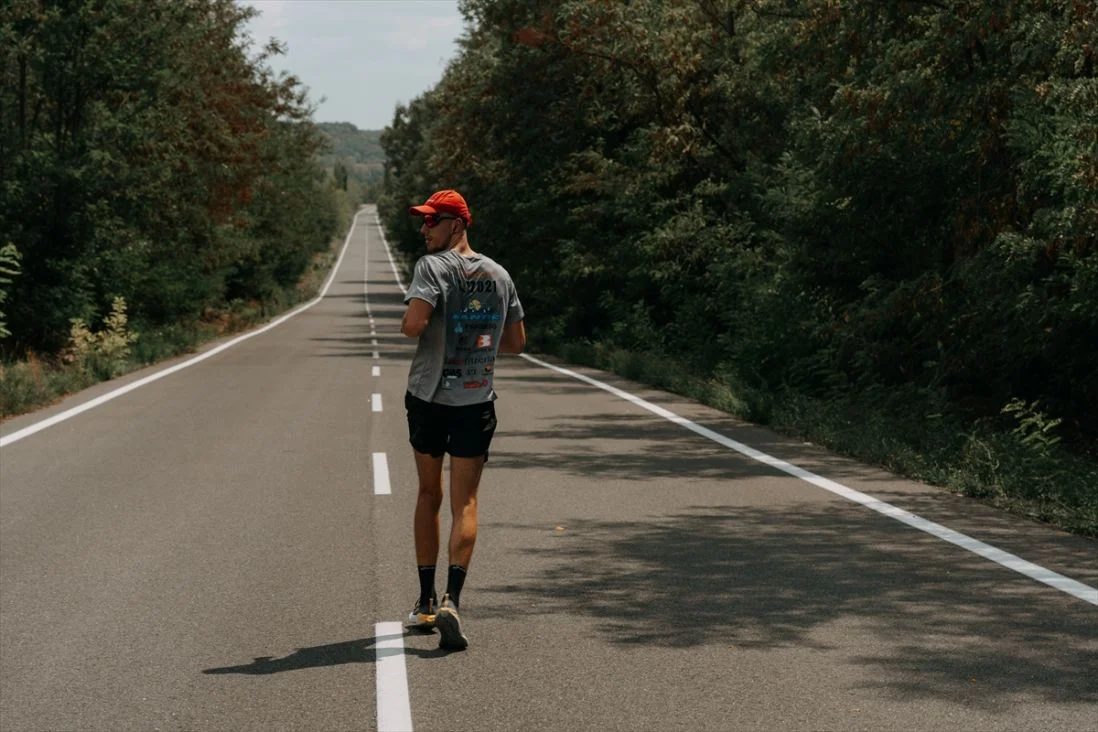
474, 298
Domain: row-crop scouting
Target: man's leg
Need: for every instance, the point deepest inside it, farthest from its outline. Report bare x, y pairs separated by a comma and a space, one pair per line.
426, 537
427, 435
470, 436
464, 480
427, 508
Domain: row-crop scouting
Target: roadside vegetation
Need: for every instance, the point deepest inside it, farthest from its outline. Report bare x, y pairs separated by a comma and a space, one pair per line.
873, 225
153, 196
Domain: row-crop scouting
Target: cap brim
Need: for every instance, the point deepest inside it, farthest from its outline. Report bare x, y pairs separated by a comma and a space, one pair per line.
422, 210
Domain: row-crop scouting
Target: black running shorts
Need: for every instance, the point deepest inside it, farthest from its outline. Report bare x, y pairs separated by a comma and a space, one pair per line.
434, 429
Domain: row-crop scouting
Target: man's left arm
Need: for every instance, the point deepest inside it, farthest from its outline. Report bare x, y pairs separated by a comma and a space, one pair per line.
513, 338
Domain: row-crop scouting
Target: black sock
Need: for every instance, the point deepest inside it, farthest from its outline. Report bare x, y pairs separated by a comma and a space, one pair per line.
455, 579
426, 583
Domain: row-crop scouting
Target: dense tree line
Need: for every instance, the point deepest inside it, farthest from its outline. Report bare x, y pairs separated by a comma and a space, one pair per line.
889, 202
353, 155
148, 152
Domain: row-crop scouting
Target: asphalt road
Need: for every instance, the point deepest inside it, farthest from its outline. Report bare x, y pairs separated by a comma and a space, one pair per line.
208, 552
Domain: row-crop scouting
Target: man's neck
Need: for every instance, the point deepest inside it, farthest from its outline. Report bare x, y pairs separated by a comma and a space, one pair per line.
462, 247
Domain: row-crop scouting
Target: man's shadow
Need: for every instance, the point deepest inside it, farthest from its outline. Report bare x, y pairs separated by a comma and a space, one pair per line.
362, 650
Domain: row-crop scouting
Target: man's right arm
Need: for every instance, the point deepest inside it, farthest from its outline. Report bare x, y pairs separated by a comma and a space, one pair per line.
416, 317
422, 295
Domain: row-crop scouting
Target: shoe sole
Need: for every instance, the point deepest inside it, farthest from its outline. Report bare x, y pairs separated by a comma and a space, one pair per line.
449, 626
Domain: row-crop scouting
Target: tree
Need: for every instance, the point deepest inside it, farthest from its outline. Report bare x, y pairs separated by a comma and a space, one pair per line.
140, 168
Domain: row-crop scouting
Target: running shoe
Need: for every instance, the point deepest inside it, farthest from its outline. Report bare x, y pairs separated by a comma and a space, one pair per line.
448, 623
422, 615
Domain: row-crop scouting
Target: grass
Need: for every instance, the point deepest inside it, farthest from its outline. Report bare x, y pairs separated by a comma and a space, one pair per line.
1005, 468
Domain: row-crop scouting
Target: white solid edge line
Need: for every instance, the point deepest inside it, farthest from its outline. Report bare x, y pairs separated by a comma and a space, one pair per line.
382, 485
394, 710
104, 398
1006, 559
375, 401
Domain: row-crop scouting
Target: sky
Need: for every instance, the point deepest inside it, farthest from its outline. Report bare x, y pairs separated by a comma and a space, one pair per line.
360, 58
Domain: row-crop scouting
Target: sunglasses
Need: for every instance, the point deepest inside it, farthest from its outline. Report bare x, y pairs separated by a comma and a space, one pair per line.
433, 220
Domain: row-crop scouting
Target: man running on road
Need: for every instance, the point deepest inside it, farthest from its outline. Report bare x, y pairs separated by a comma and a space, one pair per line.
464, 309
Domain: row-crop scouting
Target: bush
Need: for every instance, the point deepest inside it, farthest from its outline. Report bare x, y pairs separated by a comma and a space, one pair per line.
103, 354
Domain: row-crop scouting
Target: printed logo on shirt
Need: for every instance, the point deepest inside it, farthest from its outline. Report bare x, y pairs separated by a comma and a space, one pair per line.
476, 384
475, 359
451, 373
476, 312
484, 340
487, 368
455, 361
479, 284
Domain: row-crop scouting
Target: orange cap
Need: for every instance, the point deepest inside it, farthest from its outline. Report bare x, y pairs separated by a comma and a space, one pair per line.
447, 201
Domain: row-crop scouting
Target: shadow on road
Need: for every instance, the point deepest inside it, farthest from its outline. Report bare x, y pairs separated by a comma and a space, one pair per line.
665, 442
636, 447
931, 620
332, 654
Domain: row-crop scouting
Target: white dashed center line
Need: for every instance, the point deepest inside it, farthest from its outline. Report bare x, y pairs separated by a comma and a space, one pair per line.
394, 707
394, 711
382, 486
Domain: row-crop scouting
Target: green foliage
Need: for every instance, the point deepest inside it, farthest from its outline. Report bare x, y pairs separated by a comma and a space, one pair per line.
339, 175
9, 267
178, 175
350, 144
105, 353
1035, 429
30, 383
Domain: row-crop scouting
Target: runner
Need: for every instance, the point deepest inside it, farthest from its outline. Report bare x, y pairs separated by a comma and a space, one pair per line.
464, 309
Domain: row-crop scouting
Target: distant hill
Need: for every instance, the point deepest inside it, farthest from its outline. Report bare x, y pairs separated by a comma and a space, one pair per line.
359, 150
